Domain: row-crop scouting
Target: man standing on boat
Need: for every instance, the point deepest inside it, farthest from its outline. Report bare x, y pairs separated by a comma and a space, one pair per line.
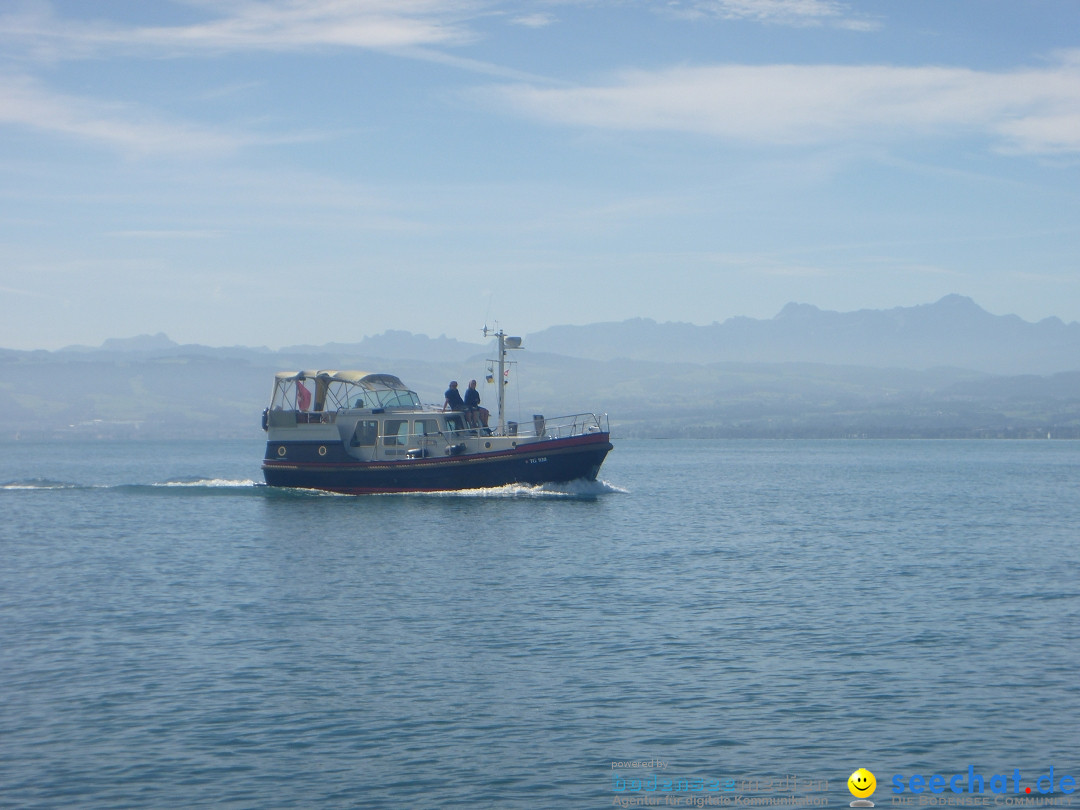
475, 416
453, 399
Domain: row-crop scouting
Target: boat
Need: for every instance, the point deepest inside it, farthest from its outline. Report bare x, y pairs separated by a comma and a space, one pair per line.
356, 432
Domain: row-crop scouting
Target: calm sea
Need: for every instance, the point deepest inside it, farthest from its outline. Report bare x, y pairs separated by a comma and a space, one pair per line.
713, 624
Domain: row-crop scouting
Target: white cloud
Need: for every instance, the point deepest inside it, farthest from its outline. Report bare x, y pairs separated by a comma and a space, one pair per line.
415, 29
1028, 110
131, 129
274, 25
780, 12
25, 102
533, 20
1047, 133
389, 25
288, 24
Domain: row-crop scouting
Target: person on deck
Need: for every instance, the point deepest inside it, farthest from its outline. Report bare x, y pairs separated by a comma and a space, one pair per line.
475, 416
453, 399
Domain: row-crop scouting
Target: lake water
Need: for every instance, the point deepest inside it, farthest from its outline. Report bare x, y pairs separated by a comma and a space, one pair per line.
747, 622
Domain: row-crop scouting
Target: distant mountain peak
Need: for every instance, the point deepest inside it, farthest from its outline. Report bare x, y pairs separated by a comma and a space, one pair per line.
793, 310
958, 302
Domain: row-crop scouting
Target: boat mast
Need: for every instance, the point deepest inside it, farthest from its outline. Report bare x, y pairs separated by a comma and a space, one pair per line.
502, 382
504, 344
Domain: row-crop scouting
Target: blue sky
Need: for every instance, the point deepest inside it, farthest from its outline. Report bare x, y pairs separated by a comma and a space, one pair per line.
282, 172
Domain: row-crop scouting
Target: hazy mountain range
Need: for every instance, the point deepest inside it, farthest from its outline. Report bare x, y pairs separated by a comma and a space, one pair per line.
955, 331
943, 369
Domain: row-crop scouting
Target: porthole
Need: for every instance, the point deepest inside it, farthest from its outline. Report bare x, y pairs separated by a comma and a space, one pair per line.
281, 451
322, 450
487, 445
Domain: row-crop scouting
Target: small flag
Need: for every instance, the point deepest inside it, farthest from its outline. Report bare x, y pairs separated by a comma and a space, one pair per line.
491, 378
303, 396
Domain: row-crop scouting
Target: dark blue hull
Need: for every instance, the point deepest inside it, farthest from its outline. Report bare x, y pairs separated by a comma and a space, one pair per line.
551, 461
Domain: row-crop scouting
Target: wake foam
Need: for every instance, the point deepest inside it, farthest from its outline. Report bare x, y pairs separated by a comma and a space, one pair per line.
571, 490
190, 486
40, 483
209, 482
579, 489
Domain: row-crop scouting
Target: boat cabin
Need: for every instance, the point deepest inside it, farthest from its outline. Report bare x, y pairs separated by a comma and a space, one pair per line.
373, 416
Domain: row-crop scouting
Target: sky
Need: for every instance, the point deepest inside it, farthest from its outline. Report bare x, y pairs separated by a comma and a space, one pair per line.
282, 172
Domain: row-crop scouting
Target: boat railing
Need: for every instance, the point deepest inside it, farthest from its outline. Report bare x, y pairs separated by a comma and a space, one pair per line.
541, 427
560, 427
279, 417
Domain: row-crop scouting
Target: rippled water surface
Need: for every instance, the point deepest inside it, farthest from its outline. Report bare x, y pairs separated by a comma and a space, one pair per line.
174, 635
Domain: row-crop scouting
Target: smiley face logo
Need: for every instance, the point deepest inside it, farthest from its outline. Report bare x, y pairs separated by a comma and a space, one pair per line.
862, 783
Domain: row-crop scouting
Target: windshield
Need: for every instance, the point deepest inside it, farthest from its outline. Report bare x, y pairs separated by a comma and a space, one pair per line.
398, 399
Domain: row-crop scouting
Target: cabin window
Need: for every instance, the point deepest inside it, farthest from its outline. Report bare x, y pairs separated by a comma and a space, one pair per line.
397, 432
367, 431
426, 427
454, 423
399, 399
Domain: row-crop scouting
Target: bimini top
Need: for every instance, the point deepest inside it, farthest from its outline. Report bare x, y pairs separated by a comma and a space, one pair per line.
362, 378
336, 390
